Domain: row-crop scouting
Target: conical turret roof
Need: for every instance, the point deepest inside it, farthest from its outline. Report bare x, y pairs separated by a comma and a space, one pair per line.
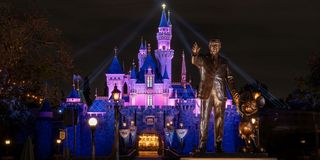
163, 21
115, 67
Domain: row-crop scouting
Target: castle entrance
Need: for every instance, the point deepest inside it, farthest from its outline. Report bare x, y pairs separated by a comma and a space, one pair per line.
149, 145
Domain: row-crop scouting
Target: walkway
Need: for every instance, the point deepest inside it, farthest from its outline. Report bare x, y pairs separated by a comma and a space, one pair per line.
148, 155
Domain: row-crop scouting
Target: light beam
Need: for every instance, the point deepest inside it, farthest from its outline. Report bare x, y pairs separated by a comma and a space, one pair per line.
235, 67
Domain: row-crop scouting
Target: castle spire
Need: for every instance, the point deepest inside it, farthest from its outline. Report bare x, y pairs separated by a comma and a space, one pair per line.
149, 48
169, 22
133, 74
145, 44
115, 66
141, 44
163, 21
183, 71
142, 52
73, 83
115, 51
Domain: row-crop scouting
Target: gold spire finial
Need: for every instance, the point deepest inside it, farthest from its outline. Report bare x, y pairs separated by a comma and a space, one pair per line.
149, 48
78, 84
164, 6
115, 51
73, 84
145, 43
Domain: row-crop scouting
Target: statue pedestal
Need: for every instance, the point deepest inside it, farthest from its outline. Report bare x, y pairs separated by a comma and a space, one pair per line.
231, 156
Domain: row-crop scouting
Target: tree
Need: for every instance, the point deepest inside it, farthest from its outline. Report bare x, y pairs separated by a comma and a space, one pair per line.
34, 59
307, 94
313, 79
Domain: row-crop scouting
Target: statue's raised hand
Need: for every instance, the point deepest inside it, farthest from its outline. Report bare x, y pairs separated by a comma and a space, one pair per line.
195, 49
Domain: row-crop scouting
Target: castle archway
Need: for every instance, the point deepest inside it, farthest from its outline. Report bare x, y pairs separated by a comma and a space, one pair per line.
149, 145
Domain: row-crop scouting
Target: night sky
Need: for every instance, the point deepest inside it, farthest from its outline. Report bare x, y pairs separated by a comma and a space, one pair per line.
271, 40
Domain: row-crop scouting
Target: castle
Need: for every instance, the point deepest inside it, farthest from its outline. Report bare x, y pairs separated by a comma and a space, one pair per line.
150, 83
155, 113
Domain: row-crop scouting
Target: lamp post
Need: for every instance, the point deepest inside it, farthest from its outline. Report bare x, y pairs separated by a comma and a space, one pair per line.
125, 133
116, 98
93, 123
7, 142
169, 130
58, 141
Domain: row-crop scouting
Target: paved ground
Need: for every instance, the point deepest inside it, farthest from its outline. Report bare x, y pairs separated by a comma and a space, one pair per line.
148, 155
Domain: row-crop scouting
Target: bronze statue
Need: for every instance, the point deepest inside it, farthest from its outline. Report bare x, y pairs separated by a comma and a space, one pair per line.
215, 77
250, 102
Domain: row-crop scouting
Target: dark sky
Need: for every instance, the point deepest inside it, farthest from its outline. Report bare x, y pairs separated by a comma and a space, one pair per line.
269, 39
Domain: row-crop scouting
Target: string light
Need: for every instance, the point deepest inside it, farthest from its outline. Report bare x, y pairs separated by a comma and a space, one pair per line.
35, 98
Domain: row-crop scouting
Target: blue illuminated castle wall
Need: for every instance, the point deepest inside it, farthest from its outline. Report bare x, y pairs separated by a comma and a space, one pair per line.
147, 93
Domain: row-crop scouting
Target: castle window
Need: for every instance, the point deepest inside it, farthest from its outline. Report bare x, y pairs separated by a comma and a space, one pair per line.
149, 82
125, 89
149, 102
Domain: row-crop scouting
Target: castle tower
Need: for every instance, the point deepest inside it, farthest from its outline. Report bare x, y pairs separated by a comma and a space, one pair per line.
44, 130
133, 80
142, 53
115, 74
164, 53
183, 71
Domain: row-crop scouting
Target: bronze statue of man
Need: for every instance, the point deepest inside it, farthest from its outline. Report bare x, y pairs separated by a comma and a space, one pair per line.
215, 78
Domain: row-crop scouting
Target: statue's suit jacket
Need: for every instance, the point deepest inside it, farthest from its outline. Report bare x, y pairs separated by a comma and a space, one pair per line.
215, 75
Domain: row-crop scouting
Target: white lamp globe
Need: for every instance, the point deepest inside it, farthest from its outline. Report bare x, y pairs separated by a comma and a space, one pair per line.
93, 122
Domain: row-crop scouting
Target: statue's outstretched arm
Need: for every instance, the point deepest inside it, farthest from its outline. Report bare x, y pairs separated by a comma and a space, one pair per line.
197, 59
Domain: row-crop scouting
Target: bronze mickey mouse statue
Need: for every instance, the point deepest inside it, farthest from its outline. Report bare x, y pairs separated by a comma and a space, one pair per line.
249, 104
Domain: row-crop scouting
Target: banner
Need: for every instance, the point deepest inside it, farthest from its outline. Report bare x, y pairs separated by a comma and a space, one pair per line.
62, 134
181, 133
124, 133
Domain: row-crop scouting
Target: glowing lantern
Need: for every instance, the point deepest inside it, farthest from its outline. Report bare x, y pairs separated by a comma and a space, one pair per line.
116, 93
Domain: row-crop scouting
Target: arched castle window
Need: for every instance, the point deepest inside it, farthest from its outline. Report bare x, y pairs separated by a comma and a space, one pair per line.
125, 88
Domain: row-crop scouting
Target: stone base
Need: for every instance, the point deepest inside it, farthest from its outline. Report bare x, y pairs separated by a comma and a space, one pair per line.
231, 156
